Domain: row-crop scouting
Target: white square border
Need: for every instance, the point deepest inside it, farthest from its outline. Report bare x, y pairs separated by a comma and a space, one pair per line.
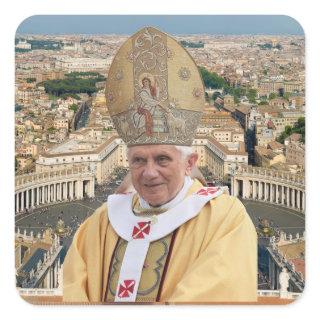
11, 16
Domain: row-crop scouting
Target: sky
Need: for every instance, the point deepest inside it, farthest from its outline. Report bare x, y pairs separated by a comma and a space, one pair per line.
174, 24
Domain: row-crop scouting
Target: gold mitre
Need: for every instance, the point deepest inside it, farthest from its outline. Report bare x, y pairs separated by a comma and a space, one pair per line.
154, 91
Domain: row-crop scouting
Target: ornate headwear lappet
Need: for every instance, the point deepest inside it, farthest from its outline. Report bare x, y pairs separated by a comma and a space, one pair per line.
154, 91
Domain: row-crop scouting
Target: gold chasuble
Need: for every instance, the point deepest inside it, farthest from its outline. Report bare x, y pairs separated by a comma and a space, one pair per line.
210, 258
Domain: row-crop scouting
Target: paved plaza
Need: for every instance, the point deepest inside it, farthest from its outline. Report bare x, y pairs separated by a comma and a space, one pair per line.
74, 213
285, 219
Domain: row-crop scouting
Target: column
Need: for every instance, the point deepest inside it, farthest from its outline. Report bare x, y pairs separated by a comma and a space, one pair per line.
71, 190
235, 186
52, 277
77, 184
49, 193
298, 200
259, 190
17, 202
54, 192
65, 190
54, 267
288, 197
59, 193
254, 189
92, 187
274, 191
80, 189
45, 199
293, 198
22, 200
282, 195
303, 201
265, 191
271, 192
244, 188
33, 200
50, 272
248, 188
232, 186
42, 194
271, 273
38, 196
48, 279
277, 193
27, 199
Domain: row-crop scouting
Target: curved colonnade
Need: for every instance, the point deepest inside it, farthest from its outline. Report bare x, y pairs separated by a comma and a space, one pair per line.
267, 185
36, 189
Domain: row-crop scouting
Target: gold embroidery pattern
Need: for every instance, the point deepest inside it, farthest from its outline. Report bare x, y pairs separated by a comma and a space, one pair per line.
184, 73
158, 97
119, 75
151, 273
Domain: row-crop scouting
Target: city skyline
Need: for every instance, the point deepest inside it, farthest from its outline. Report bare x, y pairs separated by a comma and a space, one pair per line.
69, 158
184, 24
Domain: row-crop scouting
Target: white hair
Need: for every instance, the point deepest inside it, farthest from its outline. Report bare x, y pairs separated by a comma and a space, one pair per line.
185, 151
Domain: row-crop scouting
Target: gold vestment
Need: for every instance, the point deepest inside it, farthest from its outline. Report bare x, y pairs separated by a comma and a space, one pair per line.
213, 257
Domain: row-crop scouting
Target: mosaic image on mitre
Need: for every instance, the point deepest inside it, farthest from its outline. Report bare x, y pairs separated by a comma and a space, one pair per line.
154, 91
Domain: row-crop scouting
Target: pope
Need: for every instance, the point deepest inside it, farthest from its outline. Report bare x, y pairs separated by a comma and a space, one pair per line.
165, 237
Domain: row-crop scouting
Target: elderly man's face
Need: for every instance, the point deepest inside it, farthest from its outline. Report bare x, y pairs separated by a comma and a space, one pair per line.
158, 171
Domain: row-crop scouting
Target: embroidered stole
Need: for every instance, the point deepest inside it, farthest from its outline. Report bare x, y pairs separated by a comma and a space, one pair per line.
146, 238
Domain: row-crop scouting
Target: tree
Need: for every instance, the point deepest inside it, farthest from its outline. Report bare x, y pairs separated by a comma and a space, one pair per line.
236, 100
71, 85
30, 80
189, 44
252, 93
211, 79
301, 122
17, 107
215, 95
299, 127
73, 107
238, 92
51, 130
272, 95
286, 95
288, 130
